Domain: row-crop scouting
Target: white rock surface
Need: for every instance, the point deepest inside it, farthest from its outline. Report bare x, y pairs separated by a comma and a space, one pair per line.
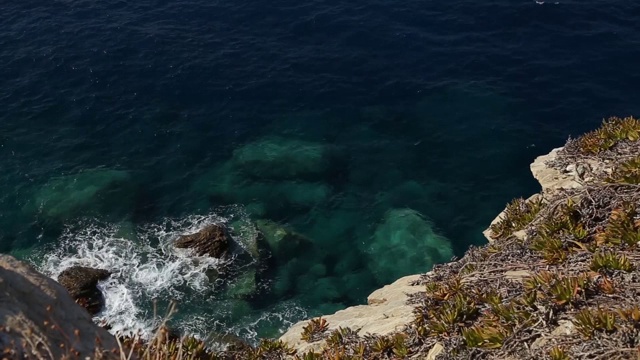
550, 178
386, 312
38, 309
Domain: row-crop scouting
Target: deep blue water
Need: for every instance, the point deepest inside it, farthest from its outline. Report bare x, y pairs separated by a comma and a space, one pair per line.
433, 106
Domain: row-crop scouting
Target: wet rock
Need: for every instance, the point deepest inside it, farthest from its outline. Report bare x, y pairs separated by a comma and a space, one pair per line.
212, 241
31, 304
82, 284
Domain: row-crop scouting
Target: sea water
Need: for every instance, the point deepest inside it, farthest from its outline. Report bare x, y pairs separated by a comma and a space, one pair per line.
385, 135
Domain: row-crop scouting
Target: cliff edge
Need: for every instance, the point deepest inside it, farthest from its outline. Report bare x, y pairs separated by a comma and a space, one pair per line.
558, 279
40, 320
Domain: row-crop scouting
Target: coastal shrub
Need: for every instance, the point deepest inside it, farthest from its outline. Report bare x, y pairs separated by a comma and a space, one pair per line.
314, 330
559, 232
557, 353
627, 172
609, 260
622, 228
557, 289
589, 321
630, 315
612, 131
518, 214
342, 336
486, 336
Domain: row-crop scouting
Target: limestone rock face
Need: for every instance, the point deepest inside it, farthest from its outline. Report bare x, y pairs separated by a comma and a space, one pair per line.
386, 311
36, 307
81, 282
212, 241
550, 178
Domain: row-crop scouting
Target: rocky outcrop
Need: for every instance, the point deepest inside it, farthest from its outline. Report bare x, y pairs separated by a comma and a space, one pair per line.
39, 319
82, 284
212, 241
386, 312
552, 178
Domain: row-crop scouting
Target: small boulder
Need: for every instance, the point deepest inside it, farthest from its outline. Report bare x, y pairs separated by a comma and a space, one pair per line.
82, 284
212, 241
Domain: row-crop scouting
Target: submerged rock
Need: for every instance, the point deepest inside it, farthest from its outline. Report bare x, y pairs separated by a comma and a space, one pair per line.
92, 192
228, 185
283, 158
247, 236
405, 243
82, 284
31, 304
212, 241
244, 285
284, 243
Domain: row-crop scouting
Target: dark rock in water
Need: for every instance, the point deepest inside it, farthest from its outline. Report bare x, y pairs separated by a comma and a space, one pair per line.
213, 241
81, 282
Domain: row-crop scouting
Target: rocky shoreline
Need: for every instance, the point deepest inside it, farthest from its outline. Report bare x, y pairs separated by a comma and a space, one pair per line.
557, 280
388, 310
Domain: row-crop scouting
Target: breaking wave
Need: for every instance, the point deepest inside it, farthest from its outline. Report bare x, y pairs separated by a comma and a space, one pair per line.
148, 274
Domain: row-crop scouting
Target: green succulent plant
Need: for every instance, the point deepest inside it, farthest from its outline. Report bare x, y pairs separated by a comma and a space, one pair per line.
622, 227
490, 336
314, 330
608, 260
589, 321
557, 353
612, 131
518, 214
627, 172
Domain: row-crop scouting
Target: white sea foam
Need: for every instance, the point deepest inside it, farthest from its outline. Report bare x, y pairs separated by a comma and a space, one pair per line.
145, 267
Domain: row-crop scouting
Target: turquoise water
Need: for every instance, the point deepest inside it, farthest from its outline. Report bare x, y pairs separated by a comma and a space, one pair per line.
380, 138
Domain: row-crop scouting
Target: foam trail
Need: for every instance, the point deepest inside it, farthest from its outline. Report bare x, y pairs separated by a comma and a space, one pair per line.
146, 269
141, 272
